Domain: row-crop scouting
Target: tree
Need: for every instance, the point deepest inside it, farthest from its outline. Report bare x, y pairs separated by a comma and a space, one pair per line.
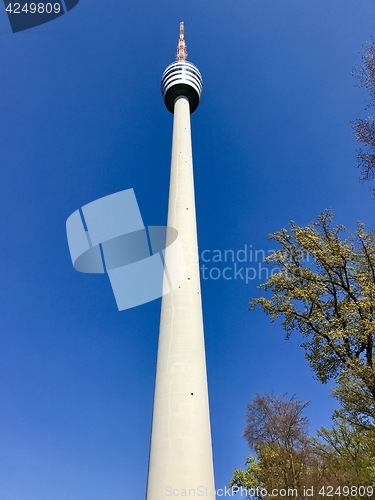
357, 403
249, 479
347, 454
289, 463
325, 289
364, 128
277, 431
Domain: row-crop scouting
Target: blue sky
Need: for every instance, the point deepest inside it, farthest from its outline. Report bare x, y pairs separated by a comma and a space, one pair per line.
82, 117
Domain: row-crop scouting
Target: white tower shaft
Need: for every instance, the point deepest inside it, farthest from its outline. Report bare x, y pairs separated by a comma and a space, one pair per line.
181, 450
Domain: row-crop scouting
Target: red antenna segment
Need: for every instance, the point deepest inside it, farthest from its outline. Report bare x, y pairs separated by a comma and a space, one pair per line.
181, 47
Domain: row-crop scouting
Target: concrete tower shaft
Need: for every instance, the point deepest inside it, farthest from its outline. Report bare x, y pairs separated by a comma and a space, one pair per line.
181, 449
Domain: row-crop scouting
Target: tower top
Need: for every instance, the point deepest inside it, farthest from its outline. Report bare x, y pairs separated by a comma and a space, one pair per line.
181, 46
181, 78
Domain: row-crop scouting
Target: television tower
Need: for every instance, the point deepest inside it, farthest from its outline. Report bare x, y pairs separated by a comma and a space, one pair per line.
181, 450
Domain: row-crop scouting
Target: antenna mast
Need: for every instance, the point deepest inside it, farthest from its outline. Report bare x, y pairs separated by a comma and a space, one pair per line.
181, 47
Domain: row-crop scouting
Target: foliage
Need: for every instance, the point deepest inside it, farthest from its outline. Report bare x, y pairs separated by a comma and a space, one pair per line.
357, 403
325, 288
249, 478
288, 459
278, 432
322, 285
347, 453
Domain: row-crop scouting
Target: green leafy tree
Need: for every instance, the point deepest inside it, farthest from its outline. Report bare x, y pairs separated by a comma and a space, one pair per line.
249, 479
357, 403
347, 455
325, 289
